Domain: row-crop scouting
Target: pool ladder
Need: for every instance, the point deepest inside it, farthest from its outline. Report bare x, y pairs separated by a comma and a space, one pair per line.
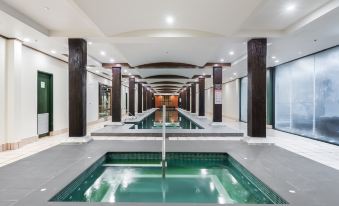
163, 150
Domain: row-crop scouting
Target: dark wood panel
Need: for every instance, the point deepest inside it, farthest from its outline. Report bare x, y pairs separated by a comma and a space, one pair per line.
116, 94
139, 98
166, 77
188, 108
202, 96
257, 52
77, 77
194, 97
217, 88
131, 96
144, 98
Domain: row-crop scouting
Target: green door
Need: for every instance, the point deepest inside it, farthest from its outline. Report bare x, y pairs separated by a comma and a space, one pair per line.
45, 103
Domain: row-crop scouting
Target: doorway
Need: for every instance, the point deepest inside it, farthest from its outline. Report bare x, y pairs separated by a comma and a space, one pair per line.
45, 103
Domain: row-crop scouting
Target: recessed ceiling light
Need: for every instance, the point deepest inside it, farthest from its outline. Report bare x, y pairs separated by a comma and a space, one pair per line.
269, 44
274, 57
46, 8
26, 39
169, 20
231, 53
276, 61
203, 74
97, 71
129, 74
291, 7
89, 43
234, 74
103, 53
222, 60
112, 60
53, 51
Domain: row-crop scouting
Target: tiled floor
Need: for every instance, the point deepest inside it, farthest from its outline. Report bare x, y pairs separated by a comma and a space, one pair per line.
324, 153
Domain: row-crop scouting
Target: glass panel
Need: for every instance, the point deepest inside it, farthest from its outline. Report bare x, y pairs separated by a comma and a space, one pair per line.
283, 97
243, 99
306, 96
327, 96
302, 96
104, 100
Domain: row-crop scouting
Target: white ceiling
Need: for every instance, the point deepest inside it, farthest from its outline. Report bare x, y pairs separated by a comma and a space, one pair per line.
135, 32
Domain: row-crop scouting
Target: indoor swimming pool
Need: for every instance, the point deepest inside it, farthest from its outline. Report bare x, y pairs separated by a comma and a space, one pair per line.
174, 120
214, 178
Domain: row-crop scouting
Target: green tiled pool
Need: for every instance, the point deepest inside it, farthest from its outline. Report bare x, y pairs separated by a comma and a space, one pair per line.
190, 178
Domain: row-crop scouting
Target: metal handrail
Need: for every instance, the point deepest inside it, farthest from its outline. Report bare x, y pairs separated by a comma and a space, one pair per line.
163, 150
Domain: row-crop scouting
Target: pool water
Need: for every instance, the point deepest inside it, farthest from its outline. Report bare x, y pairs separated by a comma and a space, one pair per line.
174, 120
190, 178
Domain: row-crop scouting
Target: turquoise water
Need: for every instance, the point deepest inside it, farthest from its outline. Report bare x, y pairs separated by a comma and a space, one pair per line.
174, 119
190, 178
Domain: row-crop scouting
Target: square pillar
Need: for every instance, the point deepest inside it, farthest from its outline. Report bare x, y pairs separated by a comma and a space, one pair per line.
144, 98
201, 96
139, 98
77, 76
194, 97
188, 108
257, 52
217, 94
131, 97
116, 94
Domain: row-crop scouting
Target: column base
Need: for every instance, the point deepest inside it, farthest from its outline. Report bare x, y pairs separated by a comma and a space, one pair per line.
115, 124
257, 141
218, 124
77, 140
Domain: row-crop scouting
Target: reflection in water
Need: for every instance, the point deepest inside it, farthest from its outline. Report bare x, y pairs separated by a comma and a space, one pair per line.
174, 119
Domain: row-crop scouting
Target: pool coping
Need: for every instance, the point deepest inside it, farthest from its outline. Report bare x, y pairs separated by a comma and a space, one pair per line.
208, 130
279, 169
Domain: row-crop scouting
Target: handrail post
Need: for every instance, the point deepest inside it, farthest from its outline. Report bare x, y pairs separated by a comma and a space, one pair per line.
163, 154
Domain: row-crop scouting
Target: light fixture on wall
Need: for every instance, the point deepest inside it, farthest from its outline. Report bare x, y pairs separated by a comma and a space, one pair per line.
170, 20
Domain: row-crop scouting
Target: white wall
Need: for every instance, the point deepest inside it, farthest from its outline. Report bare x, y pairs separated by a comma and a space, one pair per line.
230, 100
2, 89
209, 101
19, 67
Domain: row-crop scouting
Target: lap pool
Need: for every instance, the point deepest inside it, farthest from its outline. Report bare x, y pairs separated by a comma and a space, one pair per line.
210, 178
174, 120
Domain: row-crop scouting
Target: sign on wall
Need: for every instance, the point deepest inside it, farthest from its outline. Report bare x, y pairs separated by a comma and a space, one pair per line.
218, 94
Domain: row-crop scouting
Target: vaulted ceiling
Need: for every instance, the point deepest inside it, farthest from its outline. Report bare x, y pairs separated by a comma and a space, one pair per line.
146, 33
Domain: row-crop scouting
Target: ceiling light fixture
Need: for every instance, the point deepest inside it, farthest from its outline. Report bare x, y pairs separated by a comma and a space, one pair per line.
274, 57
170, 20
231, 53
276, 61
53, 51
26, 40
89, 43
222, 60
46, 8
235, 74
112, 60
291, 7
103, 53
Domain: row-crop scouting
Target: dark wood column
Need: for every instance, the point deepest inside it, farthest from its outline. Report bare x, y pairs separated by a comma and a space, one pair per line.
153, 100
77, 80
139, 98
217, 94
180, 100
184, 99
144, 98
188, 108
116, 94
201, 96
257, 52
194, 98
131, 96
148, 101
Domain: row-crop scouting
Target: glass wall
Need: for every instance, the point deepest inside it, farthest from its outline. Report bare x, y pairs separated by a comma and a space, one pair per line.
269, 95
104, 100
307, 98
